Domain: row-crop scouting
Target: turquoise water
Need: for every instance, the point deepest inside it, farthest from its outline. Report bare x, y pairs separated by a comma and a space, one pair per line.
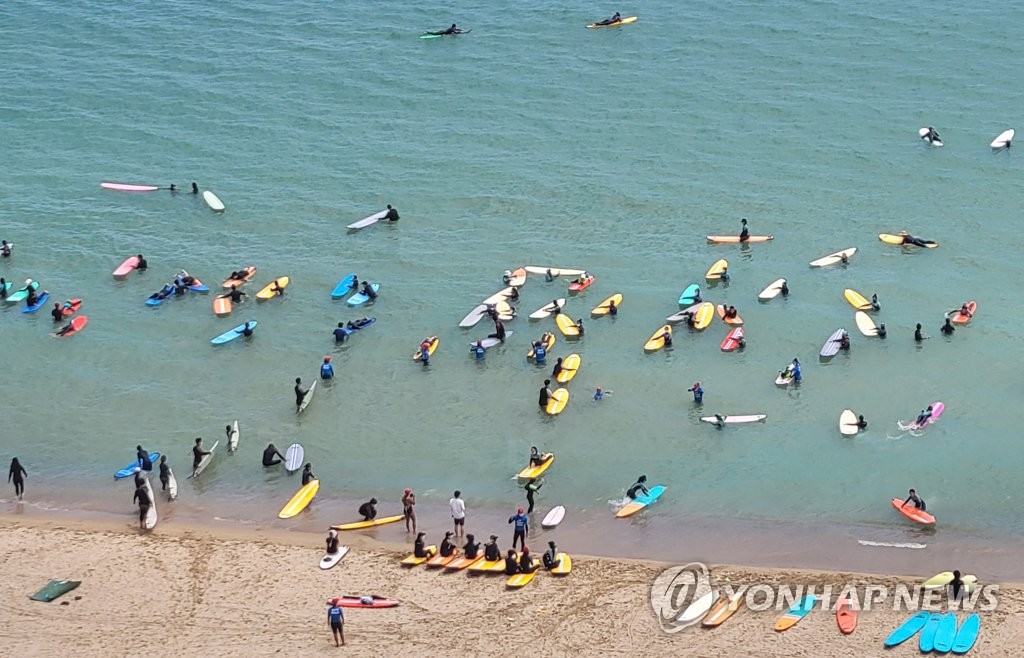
527, 142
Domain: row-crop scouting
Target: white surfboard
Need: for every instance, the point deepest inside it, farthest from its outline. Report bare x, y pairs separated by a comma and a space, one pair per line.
233, 437
172, 485
834, 258
205, 461
546, 310
499, 296
1003, 140
924, 131
848, 423
307, 398
473, 316
865, 324
748, 418
491, 342
698, 608
211, 199
553, 518
555, 271
329, 559
771, 291
293, 457
151, 516
368, 221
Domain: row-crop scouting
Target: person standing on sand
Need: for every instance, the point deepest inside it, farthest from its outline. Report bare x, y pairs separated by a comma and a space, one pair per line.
521, 527
336, 620
409, 509
17, 474
458, 507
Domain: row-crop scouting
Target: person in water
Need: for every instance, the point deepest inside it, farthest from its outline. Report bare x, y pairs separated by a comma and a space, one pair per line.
452, 30
582, 278
550, 558
239, 275
3, 288
881, 332
609, 21
579, 326
478, 350
731, 312
447, 548
409, 509
458, 508
235, 295
300, 393
874, 301
271, 456
332, 541
471, 549
965, 310
861, 423
391, 215
797, 371
947, 328
5, 249
613, 310
499, 331
557, 370
725, 274
917, 500
918, 242
425, 352
532, 487
514, 295
526, 564
142, 497
599, 393
419, 547
197, 454
744, 230
719, 421
540, 352
32, 298
545, 394
491, 551
511, 563
17, 475
195, 188
784, 289
521, 527
276, 288
340, 333
844, 342
932, 135
923, 417
247, 329
57, 313
143, 457
368, 510
165, 473
307, 474
536, 459
918, 336
142, 265
667, 337
638, 488
368, 291
698, 393
549, 275
326, 369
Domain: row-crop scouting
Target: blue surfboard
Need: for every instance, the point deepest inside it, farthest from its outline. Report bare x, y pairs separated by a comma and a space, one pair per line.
166, 291
229, 336
344, 286
366, 323
967, 634
359, 298
689, 295
129, 470
40, 300
926, 643
945, 633
653, 495
907, 629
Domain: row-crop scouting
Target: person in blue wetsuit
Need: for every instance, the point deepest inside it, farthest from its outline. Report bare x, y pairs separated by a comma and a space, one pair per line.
336, 620
143, 457
725, 274
540, 352
478, 350
520, 528
797, 374
698, 393
600, 393
340, 333
326, 369
638, 488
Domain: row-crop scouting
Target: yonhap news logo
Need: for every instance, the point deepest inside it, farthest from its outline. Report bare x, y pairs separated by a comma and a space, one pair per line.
684, 596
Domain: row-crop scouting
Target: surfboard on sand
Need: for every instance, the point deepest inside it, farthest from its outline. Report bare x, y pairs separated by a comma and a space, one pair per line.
331, 559
367, 221
307, 398
907, 629
968, 633
293, 457
205, 461
723, 609
54, 590
798, 611
698, 608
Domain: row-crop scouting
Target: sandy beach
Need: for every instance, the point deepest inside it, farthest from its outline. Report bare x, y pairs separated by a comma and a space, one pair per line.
189, 591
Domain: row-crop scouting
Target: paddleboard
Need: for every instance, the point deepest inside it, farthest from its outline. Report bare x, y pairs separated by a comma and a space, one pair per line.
603, 308
368, 221
532, 471
267, 291
357, 602
520, 580
846, 616
331, 559
911, 512
474, 316
129, 470
547, 309
555, 271
235, 333
923, 132
21, 293
196, 285
926, 642
412, 560
624, 21
128, 187
344, 287
748, 418
489, 342
576, 286
857, 300
967, 635
690, 295
554, 517
205, 461
723, 609
302, 498
434, 342
556, 403
167, 292
736, 321
362, 525
438, 36
567, 326
70, 307
731, 342
1003, 140
488, 566
76, 325
834, 258
211, 199
715, 272
564, 567
959, 318
640, 502
151, 515
907, 629
865, 324
307, 398
359, 298
126, 268
233, 437
250, 272
499, 296
222, 306
657, 339
570, 366
40, 301
799, 610
771, 291
518, 277
734, 239
172, 485
831, 346
698, 608
705, 314
547, 340
848, 423
293, 457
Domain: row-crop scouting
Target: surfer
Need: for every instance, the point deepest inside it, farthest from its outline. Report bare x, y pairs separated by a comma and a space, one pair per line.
234, 294
140, 479
947, 328
881, 331
844, 259
195, 188
368, 510
579, 326
409, 509
861, 423
142, 497
609, 21
844, 342
922, 418
326, 369
458, 508
340, 334
3, 288
540, 352
536, 459
32, 298
143, 458
300, 393
307, 474
180, 287
910, 239
65, 329
932, 135
551, 556
17, 474
637, 488
452, 30
419, 548
271, 456
478, 350
197, 454
506, 276
698, 393
491, 551
613, 310
57, 312
336, 620
874, 301
731, 312
526, 564
521, 527
918, 501
599, 393
744, 230
238, 275
447, 545
549, 276
471, 548
276, 288
918, 336
719, 421
142, 265
511, 564
557, 369
5, 249
545, 394
725, 274
165, 473
667, 337
368, 291
247, 329
531, 488
499, 331
582, 278
332, 541
425, 351
391, 215
514, 295
555, 307
784, 289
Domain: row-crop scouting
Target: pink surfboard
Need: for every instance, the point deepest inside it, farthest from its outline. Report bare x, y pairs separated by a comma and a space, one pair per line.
127, 266
127, 187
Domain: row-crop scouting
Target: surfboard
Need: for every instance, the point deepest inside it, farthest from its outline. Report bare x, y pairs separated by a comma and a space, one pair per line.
439, 560
359, 298
126, 268
716, 270
831, 346
433, 341
172, 485
196, 285
923, 134
331, 559
302, 498
731, 342
54, 590
250, 272
846, 616
604, 307
1003, 140
505, 311
959, 318
344, 287
234, 334
657, 339
357, 602
748, 418
412, 560
518, 277
556, 403
532, 471
857, 300
362, 525
735, 239
499, 296
907, 629
681, 315
624, 21
564, 567
567, 326
205, 461
640, 502
463, 563
267, 291
520, 580
848, 423
555, 271
307, 398
222, 305
547, 309
129, 187
798, 611
367, 221
570, 366
547, 340
70, 307
865, 324
736, 321
771, 291
211, 199
911, 512
21, 293
151, 514
834, 258
554, 517
167, 292
576, 286
76, 325
438, 36
293, 457
723, 609
889, 238
129, 470
473, 316
233, 437
489, 566
940, 580
926, 642
945, 634
489, 342
698, 608
705, 314
689, 296
967, 635
40, 301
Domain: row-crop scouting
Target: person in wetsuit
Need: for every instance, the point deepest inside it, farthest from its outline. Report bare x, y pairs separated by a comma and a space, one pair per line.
491, 551
300, 392
531, 488
3, 288
235, 295
198, 453
195, 188
923, 416
956, 586
17, 475
452, 30
142, 497
326, 369
271, 456
609, 21
511, 564
420, 546
557, 370
471, 549
932, 135
307, 474
57, 313
861, 423
550, 557
368, 510
536, 459
140, 479
910, 239
844, 342
882, 332
698, 393
545, 394
918, 336
499, 331
947, 328
332, 541
784, 289
391, 215
638, 488
5, 249
667, 337
918, 501
368, 291
340, 333
526, 564
143, 457
142, 265
579, 326
447, 548
165, 473
32, 298
613, 310
744, 230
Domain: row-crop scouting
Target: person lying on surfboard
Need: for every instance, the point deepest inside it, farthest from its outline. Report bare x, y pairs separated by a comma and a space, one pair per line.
932, 135
609, 21
452, 30
909, 239
918, 501
638, 488
922, 418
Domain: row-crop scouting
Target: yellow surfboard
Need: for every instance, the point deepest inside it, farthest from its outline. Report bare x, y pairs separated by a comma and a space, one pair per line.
603, 307
716, 270
520, 580
302, 498
857, 300
657, 340
434, 342
567, 326
488, 566
622, 21
889, 238
705, 313
564, 567
267, 291
412, 560
570, 365
532, 471
557, 402
359, 525
548, 340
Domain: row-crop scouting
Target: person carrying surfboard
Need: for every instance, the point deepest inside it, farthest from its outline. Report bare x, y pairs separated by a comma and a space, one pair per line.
142, 497
197, 454
307, 474
300, 392
165, 473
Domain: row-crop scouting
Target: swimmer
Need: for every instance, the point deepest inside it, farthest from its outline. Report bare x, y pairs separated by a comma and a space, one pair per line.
947, 328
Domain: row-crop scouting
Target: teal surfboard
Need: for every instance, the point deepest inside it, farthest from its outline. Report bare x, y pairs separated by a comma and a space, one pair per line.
344, 286
689, 295
945, 633
907, 629
55, 589
926, 643
967, 634
229, 336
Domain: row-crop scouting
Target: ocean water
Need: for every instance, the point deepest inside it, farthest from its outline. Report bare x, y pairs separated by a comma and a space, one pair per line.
529, 141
